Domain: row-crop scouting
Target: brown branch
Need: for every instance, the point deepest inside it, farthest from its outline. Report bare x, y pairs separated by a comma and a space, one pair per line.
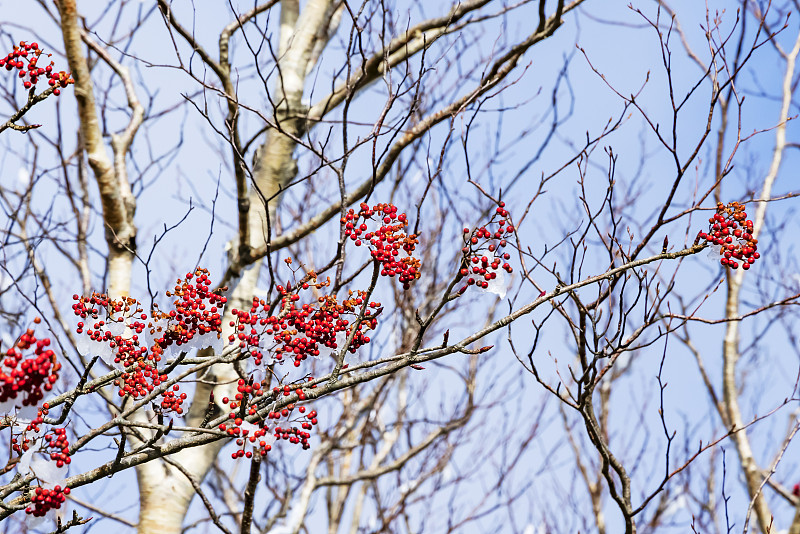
250, 492
33, 99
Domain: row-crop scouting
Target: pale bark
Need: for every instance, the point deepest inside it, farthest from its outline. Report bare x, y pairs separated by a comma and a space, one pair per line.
116, 197
795, 528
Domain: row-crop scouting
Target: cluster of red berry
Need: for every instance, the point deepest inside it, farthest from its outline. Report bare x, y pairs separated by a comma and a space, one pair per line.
258, 436
386, 241
31, 72
140, 375
196, 310
44, 500
56, 439
731, 233
482, 250
138, 341
245, 391
109, 331
196, 317
298, 331
124, 334
36, 422
172, 400
293, 434
28, 375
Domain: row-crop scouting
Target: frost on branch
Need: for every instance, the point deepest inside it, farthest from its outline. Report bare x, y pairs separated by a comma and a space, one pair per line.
497, 284
39, 464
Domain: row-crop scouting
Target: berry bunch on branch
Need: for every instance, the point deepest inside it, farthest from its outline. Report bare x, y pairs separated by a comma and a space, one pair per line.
25, 60
483, 255
730, 233
257, 438
122, 334
144, 347
300, 330
29, 369
385, 241
44, 500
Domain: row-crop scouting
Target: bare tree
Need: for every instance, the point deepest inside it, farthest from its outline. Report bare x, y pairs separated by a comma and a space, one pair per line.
445, 268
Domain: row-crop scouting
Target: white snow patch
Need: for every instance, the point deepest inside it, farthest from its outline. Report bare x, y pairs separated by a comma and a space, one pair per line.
89, 348
293, 520
714, 253
23, 178
497, 285
22, 415
38, 464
